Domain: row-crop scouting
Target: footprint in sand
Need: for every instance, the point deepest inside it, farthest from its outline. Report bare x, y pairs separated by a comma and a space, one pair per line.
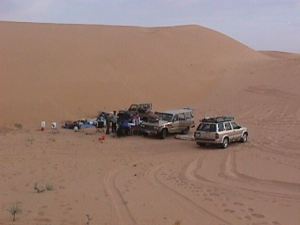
239, 218
41, 213
256, 215
238, 203
43, 220
214, 194
229, 210
248, 217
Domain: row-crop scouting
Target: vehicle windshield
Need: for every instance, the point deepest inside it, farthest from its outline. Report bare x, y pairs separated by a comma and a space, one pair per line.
164, 116
207, 127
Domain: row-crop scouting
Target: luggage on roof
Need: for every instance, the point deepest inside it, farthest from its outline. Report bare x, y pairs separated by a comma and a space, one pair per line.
218, 119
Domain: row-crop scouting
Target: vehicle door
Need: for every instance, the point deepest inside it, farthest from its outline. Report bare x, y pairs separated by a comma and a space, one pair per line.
229, 131
189, 119
182, 122
237, 131
174, 127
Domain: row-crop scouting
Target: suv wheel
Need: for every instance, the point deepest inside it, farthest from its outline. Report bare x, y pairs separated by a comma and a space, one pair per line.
244, 138
225, 143
163, 134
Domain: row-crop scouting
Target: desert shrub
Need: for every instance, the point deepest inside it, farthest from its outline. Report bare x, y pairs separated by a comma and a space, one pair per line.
177, 222
88, 218
49, 187
38, 188
14, 210
18, 125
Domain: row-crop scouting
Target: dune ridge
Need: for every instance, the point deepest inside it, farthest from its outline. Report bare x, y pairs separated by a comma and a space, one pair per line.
55, 72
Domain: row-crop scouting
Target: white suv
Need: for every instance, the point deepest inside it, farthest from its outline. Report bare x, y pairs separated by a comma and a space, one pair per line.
220, 131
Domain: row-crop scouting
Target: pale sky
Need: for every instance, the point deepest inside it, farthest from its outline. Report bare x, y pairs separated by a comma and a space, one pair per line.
260, 24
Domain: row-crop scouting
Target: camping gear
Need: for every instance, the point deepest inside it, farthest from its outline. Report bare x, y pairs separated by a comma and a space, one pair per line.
102, 138
43, 125
53, 125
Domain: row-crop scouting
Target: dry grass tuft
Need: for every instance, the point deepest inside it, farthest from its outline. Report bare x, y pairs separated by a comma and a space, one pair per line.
14, 210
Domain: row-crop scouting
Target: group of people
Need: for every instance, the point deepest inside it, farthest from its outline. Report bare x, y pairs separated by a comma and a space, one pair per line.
122, 124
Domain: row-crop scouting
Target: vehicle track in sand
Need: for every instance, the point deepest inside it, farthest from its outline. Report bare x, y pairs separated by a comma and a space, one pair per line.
229, 171
124, 215
239, 199
188, 204
225, 201
228, 179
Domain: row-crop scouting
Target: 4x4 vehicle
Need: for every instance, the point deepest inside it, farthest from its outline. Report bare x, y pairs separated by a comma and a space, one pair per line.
221, 131
169, 122
140, 108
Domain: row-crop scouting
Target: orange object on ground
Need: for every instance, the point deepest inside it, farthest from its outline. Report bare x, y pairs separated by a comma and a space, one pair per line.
101, 138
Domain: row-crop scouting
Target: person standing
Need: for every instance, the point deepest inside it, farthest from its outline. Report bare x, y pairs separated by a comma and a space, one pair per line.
114, 122
107, 118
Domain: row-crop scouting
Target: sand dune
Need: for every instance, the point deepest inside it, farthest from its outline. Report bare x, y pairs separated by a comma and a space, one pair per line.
55, 72
58, 72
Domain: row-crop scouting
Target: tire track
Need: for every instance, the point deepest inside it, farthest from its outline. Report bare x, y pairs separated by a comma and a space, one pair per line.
189, 204
124, 216
229, 170
195, 165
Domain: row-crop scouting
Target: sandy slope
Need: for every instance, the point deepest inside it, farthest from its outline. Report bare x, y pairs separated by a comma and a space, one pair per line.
147, 181
55, 72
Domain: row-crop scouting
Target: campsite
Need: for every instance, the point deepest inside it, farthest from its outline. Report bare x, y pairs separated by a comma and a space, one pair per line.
58, 73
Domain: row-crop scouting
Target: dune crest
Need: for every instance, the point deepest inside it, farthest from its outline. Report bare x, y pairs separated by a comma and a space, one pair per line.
55, 72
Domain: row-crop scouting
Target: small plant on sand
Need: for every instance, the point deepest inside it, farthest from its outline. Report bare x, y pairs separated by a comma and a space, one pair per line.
177, 222
49, 187
30, 140
89, 218
18, 125
38, 188
14, 210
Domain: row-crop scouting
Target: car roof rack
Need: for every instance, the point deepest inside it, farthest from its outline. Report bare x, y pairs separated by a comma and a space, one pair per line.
218, 119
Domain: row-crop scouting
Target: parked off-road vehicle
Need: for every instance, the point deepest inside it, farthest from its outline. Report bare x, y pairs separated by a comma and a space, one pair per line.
220, 131
140, 108
169, 122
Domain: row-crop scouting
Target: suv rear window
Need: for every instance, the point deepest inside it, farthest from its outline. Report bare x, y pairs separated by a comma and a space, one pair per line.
207, 127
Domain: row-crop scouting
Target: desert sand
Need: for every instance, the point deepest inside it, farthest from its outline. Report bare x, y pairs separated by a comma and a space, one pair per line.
58, 72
